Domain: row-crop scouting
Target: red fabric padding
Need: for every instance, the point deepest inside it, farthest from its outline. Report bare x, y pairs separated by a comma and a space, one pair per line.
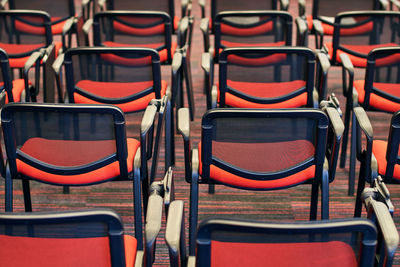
116, 90
379, 148
163, 53
250, 31
62, 252
309, 19
234, 44
40, 30
176, 22
296, 152
57, 27
326, 254
376, 101
18, 87
261, 61
146, 31
74, 153
266, 90
329, 29
361, 62
126, 61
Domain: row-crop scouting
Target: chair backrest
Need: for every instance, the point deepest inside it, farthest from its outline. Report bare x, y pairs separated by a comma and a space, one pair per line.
382, 76
22, 32
148, 29
358, 32
63, 10
127, 77
244, 243
68, 238
326, 10
65, 140
258, 145
252, 28
270, 75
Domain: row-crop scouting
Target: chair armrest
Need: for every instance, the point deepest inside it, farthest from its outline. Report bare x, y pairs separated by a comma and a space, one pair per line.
148, 118
384, 4
183, 31
302, 32
319, 33
174, 234
284, 5
67, 30
202, 4
214, 96
205, 29
364, 122
185, 6
366, 127
175, 75
184, 130
57, 64
206, 66
323, 66
396, 3
348, 67
33, 60
379, 212
146, 133
302, 8
3, 4
87, 26
101, 3
153, 224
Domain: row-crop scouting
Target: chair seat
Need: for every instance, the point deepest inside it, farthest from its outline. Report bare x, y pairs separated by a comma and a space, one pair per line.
364, 50
249, 156
163, 52
379, 148
76, 153
113, 90
62, 252
282, 254
20, 53
18, 87
377, 101
266, 90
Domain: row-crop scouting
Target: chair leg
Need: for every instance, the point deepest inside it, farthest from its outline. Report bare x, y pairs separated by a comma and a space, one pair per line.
211, 188
9, 191
138, 208
325, 197
187, 73
66, 189
345, 136
352, 155
314, 202
27, 195
360, 188
194, 199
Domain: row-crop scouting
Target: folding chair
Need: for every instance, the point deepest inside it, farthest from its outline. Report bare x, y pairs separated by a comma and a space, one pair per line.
23, 33
262, 149
322, 17
376, 93
126, 77
63, 16
377, 157
344, 242
267, 77
69, 238
75, 145
167, 6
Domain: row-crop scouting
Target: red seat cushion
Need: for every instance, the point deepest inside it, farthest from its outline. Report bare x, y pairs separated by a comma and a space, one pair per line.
15, 49
376, 101
18, 87
379, 148
61, 252
114, 90
361, 49
326, 254
163, 53
68, 153
252, 156
266, 90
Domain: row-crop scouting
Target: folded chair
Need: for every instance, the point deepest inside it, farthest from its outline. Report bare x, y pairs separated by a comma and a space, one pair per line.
167, 6
75, 145
267, 77
377, 92
22, 34
377, 157
344, 242
126, 77
322, 17
262, 149
70, 238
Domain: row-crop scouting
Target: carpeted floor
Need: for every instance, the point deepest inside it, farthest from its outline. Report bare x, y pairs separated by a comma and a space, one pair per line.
284, 205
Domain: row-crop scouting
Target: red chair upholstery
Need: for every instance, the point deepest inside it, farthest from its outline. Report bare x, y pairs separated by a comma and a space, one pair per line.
261, 149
